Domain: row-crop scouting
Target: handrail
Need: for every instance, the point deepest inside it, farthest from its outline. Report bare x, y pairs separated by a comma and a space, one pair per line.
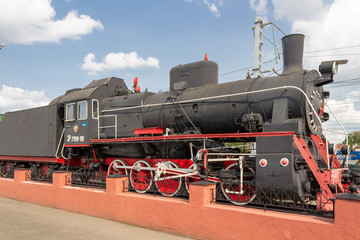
344, 132
110, 126
233, 95
57, 149
245, 93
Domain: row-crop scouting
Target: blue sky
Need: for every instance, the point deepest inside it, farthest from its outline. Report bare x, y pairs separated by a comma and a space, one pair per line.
174, 32
53, 46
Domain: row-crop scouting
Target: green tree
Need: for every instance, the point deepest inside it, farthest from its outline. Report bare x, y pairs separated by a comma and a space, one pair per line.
354, 138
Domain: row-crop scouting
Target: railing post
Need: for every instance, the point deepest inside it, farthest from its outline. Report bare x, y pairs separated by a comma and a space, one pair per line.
347, 207
61, 178
22, 175
116, 184
201, 193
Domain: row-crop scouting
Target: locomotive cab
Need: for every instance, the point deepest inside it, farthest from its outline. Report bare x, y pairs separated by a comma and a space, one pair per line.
82, 109
79, 115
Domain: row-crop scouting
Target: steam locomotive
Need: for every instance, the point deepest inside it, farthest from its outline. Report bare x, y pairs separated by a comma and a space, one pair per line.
258, 133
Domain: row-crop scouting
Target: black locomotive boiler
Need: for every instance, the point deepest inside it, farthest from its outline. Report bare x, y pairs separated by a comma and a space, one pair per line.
258, 133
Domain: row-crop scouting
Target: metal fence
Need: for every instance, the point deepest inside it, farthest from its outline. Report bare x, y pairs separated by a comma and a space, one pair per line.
86, 178
282, 200
41, 174
7, 170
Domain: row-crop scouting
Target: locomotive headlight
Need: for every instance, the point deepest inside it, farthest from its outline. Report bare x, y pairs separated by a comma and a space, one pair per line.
327, 70
334, 68
330, 67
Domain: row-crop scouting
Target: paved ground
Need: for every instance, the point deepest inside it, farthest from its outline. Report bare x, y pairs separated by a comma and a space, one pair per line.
21, 220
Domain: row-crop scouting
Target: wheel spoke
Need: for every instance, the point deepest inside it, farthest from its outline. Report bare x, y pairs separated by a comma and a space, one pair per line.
170, 186
141, 180
188, 180
232, 189
115, 167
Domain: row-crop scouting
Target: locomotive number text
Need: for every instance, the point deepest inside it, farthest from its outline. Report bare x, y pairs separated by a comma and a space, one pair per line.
74, 138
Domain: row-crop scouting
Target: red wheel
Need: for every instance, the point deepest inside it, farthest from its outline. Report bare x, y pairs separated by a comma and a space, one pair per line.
195, 178
141, 179
169, 183
232, 189
115, 167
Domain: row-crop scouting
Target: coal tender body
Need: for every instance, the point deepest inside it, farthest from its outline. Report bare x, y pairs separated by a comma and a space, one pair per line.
258, 138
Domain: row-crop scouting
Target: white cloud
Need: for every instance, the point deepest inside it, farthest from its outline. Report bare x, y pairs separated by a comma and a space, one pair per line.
27, 22
298, 10
328, 25
332, 26
336, 27
114, 61
213, 8
260, 6
12, 98
212, 5
346, 112
325, 26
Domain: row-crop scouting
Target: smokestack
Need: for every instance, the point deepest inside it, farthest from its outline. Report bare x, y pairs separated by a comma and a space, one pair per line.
293, 49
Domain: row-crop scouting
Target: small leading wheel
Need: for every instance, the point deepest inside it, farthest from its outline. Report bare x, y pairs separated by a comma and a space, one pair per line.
141, 179
169, 183
194, 178
115, 167
41, 172
99, 175
231, 188
6, 169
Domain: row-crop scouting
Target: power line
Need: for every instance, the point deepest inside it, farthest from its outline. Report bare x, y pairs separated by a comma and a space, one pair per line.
347, 80
315, 51
336, 55
237, 70
331, 49
346, 96
343, 83
245, 68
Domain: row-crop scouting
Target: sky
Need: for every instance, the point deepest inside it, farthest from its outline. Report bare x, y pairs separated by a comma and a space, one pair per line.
54, 46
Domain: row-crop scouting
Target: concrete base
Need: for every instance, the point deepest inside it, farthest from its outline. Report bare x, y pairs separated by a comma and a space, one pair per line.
197, 217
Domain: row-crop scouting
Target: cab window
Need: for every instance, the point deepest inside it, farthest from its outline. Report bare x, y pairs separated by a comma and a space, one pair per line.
82, 110
70, 115
95, 109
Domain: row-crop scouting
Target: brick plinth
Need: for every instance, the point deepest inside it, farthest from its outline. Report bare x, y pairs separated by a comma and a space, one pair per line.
116, 184
201, 193
197, 217
22, 175
62, 178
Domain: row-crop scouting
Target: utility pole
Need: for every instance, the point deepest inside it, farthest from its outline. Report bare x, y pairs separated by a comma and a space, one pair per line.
259, 25
258, 35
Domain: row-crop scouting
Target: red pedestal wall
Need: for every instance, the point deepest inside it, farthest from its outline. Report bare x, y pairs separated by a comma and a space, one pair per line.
197, 217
